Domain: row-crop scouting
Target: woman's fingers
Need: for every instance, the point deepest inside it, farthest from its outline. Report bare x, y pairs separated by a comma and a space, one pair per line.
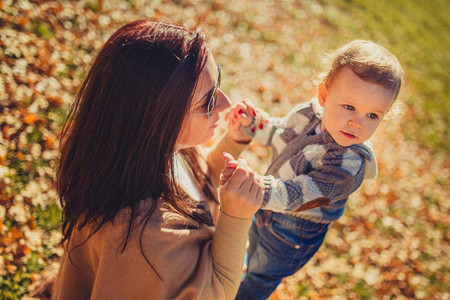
255, 190
241, 192
247, 182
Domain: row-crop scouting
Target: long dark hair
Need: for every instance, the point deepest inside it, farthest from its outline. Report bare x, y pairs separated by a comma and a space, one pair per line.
118, 142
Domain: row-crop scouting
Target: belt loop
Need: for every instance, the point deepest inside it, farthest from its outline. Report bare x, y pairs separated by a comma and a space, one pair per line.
259, 219
267, 215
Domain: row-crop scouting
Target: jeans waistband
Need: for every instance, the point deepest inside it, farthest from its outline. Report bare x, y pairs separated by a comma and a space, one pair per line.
264, 217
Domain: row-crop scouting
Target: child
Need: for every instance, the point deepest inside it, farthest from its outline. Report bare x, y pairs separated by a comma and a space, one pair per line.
321, 154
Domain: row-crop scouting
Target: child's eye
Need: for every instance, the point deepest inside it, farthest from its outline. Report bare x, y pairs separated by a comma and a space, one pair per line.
349, 107
373, 116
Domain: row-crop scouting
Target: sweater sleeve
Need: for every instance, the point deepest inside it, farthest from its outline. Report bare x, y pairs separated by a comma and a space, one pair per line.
332, 181
228, 251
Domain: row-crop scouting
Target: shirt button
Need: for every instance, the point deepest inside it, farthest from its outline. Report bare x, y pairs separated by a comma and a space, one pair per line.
297, 247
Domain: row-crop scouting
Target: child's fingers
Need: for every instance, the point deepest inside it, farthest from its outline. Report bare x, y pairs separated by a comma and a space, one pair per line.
239, 174
228, 157
245, 120
250, 107
223, 179
227, 171
262, 119
231, 164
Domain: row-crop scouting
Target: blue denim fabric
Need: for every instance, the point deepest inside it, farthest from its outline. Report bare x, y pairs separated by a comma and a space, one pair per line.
279, 246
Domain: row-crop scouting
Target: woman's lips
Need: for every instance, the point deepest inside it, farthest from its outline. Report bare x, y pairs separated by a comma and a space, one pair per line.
349, 135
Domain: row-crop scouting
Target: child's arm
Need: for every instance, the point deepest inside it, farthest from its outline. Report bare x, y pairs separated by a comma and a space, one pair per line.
329, 183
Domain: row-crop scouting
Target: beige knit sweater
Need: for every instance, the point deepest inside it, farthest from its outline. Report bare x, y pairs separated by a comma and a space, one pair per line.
187, 261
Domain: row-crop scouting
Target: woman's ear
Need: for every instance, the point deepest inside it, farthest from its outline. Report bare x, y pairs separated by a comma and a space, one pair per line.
322, 93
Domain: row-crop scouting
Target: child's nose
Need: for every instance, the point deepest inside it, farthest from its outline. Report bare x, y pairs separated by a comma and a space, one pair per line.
222, 101
356, 122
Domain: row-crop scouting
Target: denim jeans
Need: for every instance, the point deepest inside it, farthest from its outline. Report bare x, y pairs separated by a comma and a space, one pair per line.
279, 246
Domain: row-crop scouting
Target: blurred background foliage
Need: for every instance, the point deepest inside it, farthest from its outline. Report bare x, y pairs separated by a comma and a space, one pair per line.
392, 242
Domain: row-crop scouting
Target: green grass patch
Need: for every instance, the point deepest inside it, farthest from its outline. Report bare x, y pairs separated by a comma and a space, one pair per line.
363, 290
49, 217
14, 286
302, 289
43, 30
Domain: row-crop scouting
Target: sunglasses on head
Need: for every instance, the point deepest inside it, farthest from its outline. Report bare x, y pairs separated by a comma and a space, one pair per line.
212, 98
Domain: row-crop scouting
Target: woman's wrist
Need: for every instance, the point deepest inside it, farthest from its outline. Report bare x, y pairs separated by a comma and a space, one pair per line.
231, 216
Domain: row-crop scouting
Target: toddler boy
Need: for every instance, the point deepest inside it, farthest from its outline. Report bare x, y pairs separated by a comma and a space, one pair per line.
321, 154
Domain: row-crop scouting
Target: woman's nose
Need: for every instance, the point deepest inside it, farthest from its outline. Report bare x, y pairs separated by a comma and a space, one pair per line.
222, 101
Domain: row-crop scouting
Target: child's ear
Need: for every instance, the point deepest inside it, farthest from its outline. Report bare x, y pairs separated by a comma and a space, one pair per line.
322, 93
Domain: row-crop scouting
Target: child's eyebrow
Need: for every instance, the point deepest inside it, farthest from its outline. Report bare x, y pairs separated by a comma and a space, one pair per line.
379, 111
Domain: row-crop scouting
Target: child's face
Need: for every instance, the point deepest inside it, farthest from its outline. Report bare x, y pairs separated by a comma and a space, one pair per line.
353, 108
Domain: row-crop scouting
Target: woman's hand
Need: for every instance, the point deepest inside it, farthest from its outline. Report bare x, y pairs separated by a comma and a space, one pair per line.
242, 114
242, 192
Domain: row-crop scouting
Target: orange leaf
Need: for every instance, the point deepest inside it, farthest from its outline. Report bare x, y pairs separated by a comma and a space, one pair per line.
24, 21
49, 142
30, 118
19, 155
5, 129
5, 240
16, 233
262, 89
32, 222
22, 250
55, 101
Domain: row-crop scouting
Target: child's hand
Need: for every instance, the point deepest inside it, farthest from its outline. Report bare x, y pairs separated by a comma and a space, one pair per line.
230, 166
244, 114
242, 193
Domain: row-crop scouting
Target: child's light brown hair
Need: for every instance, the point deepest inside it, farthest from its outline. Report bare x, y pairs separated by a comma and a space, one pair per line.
370, 61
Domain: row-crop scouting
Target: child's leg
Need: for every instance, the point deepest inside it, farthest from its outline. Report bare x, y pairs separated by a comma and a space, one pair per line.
282, 247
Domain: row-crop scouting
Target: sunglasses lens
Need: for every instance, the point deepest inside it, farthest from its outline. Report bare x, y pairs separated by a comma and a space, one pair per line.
212, 103
213, 98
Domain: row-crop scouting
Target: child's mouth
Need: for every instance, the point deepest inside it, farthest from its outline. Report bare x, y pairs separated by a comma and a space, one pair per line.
349, 135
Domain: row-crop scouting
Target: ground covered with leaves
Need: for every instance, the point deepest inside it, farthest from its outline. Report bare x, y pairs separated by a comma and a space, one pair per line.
392, 242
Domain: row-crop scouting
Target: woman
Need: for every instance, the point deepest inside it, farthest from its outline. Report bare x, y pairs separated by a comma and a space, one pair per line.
138, 200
